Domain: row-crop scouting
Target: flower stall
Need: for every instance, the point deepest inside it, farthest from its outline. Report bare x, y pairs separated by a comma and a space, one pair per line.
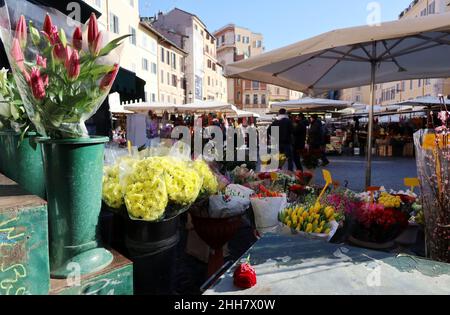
62, 71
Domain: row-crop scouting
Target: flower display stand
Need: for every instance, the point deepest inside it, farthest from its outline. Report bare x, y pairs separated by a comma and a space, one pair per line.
116, 279
24, 258
24, 253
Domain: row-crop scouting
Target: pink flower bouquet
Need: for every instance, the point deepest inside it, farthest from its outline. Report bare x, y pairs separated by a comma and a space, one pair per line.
64, 70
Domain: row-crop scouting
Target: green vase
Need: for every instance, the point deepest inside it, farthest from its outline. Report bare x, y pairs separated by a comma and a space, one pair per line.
8, 148
23, 162
74, 171
2, 153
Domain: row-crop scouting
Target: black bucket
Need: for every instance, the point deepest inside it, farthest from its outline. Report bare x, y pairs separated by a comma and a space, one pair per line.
152, 246
112, 228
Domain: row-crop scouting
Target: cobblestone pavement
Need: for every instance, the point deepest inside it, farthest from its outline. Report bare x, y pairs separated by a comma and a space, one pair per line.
387, 172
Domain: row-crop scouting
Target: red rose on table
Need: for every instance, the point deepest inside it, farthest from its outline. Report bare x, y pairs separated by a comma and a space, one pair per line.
245, 276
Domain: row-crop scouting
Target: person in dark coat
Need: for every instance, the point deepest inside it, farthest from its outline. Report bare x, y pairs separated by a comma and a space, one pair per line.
285, 131
316, 138
300, 130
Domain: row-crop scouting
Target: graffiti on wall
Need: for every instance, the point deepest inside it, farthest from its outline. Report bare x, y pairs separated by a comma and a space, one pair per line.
11, 272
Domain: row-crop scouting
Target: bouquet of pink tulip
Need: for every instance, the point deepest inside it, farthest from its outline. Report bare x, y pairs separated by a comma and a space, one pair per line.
62, 79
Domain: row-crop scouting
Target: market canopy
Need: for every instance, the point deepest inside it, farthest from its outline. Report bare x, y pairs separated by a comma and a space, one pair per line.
406, 49
422, 101
115, 107
207, 107
243, 114
356, 108
310, 104
408, 108
151, 106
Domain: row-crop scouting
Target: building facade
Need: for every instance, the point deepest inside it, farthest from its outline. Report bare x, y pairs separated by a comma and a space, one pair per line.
395, 92
170, 69
140, 50
236, 43
203, 73
357, 95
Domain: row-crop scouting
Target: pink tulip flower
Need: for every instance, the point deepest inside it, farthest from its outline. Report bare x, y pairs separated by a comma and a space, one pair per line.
73, 68
92, 30
37, 84
41, 61
17, 54
97, 44
21, 31
109, 79
48, 25
77, 40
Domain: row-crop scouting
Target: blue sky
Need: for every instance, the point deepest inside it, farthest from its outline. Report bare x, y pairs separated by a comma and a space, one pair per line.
282, 22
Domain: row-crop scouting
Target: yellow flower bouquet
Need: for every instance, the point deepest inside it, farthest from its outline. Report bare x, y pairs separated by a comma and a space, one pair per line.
112, 188
210, 183
317, 221
152, 188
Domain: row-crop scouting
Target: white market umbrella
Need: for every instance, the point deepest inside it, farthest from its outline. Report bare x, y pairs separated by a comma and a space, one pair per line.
310, 104
400, 50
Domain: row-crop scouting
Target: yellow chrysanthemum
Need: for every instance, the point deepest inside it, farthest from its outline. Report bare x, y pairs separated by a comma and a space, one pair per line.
112, 191
146, 195
183, 183
210, 183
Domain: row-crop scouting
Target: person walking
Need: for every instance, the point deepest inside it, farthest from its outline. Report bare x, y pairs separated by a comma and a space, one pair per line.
285, 131
152, 130
316, 139
300, 131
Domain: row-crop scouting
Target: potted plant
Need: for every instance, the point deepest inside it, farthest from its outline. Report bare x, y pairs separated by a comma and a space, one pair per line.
20, 155
63, 79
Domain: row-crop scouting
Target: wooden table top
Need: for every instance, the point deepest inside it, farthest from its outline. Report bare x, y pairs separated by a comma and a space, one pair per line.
13, 197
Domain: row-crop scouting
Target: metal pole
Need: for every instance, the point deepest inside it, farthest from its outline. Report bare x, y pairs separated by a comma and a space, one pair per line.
370, 128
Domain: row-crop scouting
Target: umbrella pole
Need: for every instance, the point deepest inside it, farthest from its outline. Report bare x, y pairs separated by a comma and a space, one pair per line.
370, 128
